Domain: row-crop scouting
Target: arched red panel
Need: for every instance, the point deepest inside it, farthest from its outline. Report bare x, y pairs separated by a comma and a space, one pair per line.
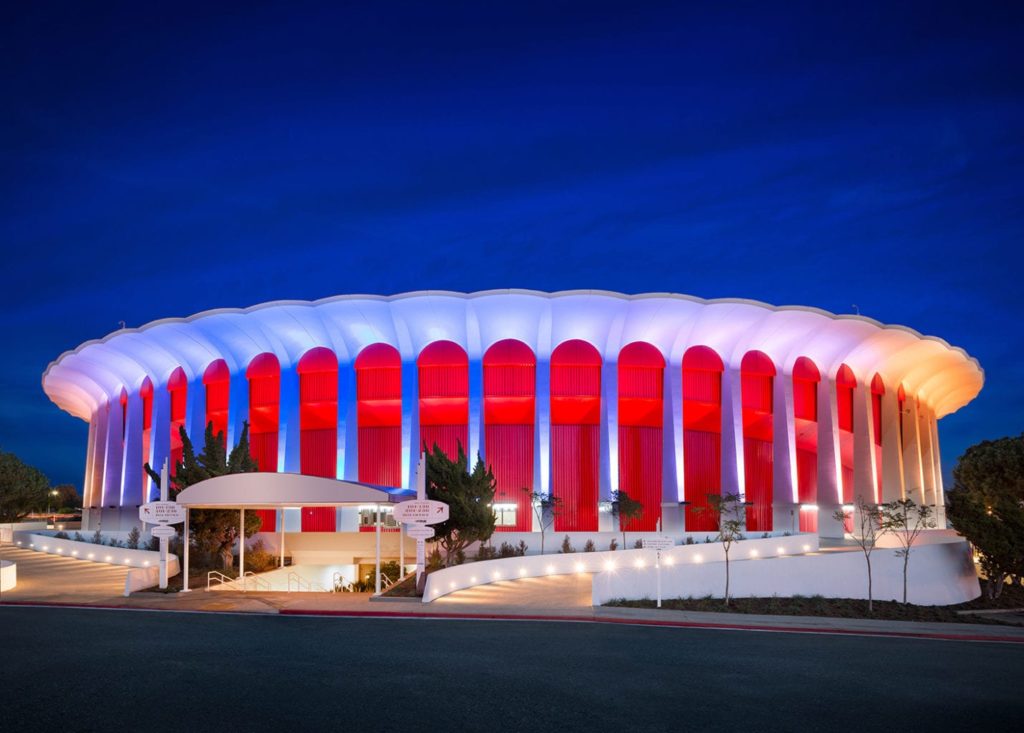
846, 382
264, 375
146, 394
576, 434
641, 380
805, 409
379, 414
510, 377
177, 386
877, 393
702, 435
757, 375
444, 397
318, 428
217, 380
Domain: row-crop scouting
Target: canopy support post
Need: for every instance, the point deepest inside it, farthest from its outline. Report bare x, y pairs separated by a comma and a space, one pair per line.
377, 593
184, 539
241, 546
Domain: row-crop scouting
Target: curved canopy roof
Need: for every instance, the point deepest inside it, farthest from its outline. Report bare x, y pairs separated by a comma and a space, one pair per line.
943, 376
276, 490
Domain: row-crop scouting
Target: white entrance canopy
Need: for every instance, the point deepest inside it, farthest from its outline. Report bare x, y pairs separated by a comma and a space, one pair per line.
243, 491
280, 490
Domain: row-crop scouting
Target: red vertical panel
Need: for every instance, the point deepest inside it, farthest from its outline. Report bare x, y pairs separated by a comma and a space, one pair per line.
146, 393
216, 379
379, 414
805, 410
264, 375
444, 397
268, 519
641, 387
808, 520
177, 385
509, 413
757, 374
318, 428
877, 391
702, 435
319, 519
576, 434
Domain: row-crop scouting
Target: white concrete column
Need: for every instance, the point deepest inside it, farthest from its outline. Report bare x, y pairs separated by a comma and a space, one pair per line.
90, 459
913, 473
863, 445
785, 506
115, 450
671, 451
195, 413
132, 458
411, 448
348, 450
892, 453
160, 437
733, 479
100, 421
476, 418
241, 546
377, 557
288, 449
185, 542
542, 431
830, 486
927, 453
939, 496
608, 464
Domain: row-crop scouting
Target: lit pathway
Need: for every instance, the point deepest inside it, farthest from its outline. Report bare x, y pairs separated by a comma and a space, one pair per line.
54, 579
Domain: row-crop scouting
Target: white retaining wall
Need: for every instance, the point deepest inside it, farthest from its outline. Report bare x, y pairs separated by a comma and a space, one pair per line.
95, 553
469, 575
941, 572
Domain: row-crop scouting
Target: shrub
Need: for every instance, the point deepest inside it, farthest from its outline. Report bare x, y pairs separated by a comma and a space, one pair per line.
434, 559
638, 545
589, 547
114, 542
509, 550
153, 544
566, 546
97, 538
613, 545
61, 536
688, 540
521, 548
486, 552
787, 533
764, 536
258, 559
132, 543
79, 537
460, 557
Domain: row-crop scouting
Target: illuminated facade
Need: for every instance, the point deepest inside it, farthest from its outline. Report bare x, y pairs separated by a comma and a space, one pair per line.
667, 397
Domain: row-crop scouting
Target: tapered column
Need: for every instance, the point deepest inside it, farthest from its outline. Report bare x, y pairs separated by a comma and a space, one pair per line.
864, 479
913, 472
939, 496
830, 491
90, 459
892, 452
608, 465
732, 433
114, 453
542, 435
784, 495
672, 450
348, 423
927, 454
289, 455
476, 423
195, 413
132, 458
160, 437
411, 447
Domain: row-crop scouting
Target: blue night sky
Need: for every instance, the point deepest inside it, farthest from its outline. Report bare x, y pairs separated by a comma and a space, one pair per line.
159, 163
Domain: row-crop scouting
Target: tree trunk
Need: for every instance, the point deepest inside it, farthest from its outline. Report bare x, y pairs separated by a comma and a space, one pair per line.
871, 605
727, 579
906, 559
227, 559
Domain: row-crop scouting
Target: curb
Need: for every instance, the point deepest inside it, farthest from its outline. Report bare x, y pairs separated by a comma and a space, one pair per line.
935, 636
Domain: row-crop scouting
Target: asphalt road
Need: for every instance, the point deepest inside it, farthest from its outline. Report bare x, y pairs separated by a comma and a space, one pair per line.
71, 669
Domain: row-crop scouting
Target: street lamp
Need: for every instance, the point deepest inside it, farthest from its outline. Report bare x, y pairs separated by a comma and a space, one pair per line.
49, 500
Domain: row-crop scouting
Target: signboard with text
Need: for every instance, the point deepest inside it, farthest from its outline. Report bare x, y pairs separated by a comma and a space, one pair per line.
162, 512
658, 543
420, 531
421, 511
163, 530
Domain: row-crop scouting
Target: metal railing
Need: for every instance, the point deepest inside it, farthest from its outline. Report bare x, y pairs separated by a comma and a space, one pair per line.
341, 585
260, 584
219, 578
302, 585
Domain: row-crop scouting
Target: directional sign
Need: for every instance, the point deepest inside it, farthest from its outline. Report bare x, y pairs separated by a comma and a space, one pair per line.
658, 543
420, 531
163, 530
420, 511
162, 512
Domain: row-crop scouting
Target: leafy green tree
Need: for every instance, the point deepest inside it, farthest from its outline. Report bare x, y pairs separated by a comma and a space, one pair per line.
986, 506
469, 497
728, 513
869, 520
547, 508
67, 498
214, 531
905, 520
626, 508
23, 488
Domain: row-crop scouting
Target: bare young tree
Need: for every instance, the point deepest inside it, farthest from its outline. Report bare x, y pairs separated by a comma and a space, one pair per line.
905, 520
728, 510
870, 529
546, 508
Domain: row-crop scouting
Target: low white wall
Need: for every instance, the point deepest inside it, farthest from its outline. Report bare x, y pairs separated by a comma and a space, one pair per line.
469, 575
8, 575
602, 540
941, 572
94, 553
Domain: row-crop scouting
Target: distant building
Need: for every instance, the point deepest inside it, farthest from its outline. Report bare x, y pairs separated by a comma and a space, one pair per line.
582, 393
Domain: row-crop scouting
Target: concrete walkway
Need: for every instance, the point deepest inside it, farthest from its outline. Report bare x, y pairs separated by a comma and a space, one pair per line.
56, 579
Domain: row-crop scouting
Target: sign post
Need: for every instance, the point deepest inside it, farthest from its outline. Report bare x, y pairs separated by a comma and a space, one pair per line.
163, 514
418, 514
658, 544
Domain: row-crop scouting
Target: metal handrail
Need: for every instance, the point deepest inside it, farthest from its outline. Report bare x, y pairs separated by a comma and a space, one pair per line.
346, 586
260, 583
221, 578
298, 580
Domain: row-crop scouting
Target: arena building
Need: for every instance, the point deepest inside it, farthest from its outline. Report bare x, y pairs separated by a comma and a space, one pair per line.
579, 394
